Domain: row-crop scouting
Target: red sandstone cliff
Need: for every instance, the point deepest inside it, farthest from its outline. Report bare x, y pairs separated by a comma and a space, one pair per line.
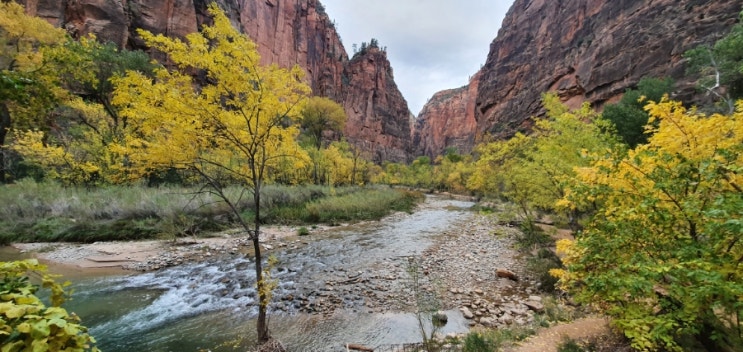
585, 50
589, 50
373, 104
287, 32
447, 120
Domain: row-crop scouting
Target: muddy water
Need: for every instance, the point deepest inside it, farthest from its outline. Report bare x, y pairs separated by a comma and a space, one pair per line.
210, 305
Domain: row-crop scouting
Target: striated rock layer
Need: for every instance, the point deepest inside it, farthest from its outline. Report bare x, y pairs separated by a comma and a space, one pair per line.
585, 50
589, 50
447, 121
287, 32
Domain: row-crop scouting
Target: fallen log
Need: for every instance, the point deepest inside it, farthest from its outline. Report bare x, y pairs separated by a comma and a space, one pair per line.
355, 347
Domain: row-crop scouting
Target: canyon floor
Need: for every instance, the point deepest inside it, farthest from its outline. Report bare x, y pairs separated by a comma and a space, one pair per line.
460, 266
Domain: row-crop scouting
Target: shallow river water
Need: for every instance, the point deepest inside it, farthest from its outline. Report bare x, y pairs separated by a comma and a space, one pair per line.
209, 305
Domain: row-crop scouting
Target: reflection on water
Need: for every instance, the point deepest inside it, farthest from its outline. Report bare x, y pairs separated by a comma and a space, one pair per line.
209, 305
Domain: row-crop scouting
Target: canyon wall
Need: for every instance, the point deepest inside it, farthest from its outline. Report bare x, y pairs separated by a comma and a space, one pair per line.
287, 32
584, 50
447, 120
589, 50
375, 105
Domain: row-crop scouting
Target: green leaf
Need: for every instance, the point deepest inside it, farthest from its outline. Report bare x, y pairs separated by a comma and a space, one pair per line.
16, 312
40, 329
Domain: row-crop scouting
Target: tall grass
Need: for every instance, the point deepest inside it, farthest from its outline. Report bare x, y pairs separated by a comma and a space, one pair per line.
372, 203
47, 211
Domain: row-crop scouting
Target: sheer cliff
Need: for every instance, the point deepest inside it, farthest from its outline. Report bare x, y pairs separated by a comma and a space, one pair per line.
287, 32
584, 50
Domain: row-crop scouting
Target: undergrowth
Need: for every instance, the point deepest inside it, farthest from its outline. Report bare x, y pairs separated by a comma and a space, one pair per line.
48, 212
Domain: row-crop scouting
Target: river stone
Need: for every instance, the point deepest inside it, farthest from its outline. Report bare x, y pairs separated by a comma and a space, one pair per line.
506, 319
505, 273
488, 322
467, 313
535, 306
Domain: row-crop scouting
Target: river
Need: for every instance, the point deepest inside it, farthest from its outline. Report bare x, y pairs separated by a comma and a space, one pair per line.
344, 286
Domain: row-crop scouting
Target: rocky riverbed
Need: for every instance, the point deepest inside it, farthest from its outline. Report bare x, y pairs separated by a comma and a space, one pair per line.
459, 270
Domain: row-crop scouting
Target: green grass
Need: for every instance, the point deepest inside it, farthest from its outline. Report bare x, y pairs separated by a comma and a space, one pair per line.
371, 203
496, 339
49, 212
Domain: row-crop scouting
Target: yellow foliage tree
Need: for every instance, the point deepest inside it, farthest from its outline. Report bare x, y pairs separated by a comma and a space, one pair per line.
79, 152
663, 254
535, 170
236, 126
321, 114
28, 86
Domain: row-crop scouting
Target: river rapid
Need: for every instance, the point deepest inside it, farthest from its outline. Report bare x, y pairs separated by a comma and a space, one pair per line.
348, 285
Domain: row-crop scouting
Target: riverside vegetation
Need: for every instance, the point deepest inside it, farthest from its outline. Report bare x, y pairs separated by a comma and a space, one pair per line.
653, 190
49, 212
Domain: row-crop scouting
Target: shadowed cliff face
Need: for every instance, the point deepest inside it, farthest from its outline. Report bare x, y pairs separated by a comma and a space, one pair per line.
373, 104
585, 50
287, 32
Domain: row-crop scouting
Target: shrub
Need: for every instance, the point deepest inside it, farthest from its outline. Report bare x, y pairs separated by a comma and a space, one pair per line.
541, 264
26, 323
475, 342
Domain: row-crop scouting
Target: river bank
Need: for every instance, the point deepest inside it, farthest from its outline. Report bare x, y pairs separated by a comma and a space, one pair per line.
156, 254
458, 270
361, 269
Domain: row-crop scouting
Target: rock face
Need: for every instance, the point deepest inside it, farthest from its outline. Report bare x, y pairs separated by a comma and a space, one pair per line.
447, 120
287, 32
589, 50
584, 50
373, 106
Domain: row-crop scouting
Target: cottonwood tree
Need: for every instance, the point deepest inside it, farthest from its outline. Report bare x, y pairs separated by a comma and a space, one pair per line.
534, 170
319, 115
322, 114
28, 87
236, 126
79, 151
663, 253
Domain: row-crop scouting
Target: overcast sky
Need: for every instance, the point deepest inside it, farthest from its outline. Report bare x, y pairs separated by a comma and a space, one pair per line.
432, 44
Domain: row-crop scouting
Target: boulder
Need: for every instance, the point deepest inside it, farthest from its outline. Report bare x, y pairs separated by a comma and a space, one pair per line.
467, 313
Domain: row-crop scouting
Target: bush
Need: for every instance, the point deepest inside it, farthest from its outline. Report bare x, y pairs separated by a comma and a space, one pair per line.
541, 264
26, 324
475, 342
494, 340
571, 345
532, 235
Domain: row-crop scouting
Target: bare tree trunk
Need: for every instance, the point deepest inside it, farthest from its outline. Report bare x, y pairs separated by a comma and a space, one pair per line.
4, 127
262, 323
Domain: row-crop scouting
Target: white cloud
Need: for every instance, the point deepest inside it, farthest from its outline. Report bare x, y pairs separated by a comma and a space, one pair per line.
432, 44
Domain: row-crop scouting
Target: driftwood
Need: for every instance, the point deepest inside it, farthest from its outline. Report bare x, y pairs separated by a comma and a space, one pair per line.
355, 347
500, 272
